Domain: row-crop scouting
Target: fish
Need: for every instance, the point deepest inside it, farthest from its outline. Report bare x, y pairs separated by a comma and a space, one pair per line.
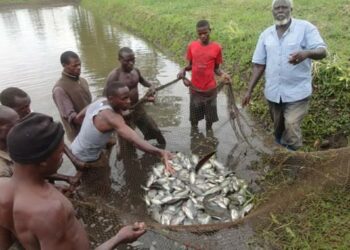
178, 219
234, 214
204, 218
210, 195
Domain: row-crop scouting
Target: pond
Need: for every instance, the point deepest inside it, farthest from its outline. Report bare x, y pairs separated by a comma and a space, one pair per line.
32, 40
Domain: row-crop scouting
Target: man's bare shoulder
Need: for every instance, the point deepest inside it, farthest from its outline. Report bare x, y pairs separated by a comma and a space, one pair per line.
6, 201
48, 219
113, 75
50, 202
110, 116
7, 189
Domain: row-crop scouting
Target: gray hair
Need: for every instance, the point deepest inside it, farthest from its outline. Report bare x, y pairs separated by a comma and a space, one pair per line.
290, 2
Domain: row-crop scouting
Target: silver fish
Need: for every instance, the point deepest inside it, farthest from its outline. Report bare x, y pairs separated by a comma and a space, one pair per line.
187, 211
192, 177
234, 214
204, 218
178, 219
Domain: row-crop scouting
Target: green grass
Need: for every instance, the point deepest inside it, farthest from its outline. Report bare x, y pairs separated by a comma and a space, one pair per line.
236, 24
316, 222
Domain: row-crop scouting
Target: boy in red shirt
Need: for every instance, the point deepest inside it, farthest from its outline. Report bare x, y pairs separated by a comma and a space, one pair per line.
204, 59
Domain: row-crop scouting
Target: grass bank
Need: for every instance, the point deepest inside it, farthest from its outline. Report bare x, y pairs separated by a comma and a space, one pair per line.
236, 24
307, 198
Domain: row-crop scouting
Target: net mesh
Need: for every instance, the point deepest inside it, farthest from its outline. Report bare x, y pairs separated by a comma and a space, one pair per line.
112, 196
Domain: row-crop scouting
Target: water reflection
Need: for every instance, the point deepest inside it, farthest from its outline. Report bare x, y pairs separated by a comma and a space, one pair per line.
105, 40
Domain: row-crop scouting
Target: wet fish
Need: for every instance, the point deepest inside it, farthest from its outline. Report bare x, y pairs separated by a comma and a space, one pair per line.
211, 195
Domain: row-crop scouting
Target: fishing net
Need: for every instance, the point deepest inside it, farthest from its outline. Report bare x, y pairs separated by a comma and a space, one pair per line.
111, 196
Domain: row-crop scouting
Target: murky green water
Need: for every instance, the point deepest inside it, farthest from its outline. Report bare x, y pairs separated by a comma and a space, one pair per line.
32, 40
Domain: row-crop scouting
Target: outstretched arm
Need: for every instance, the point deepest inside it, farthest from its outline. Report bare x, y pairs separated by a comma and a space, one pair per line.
124, 131
125, 235
258, 71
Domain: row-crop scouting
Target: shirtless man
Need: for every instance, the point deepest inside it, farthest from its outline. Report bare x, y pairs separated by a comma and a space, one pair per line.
16, 99
132, 77
33, 209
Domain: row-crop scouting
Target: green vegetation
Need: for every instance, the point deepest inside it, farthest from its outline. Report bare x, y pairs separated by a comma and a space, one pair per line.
313, 212
236, 24
312, 223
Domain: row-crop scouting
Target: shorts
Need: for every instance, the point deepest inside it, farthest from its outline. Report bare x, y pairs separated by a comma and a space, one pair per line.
203, 107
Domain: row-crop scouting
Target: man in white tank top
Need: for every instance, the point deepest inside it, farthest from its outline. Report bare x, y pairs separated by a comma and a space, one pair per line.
102, 118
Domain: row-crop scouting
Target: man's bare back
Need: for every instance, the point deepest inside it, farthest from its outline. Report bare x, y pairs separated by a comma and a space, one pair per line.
45, 219
39, 216
6, 204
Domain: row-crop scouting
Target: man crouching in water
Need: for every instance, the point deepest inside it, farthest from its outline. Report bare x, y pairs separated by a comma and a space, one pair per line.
41, 217
102, 118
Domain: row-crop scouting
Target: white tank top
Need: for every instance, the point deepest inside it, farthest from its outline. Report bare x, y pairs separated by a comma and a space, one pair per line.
90, 142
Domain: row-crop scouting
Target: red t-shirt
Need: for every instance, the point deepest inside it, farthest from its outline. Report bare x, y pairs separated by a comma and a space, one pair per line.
204, 58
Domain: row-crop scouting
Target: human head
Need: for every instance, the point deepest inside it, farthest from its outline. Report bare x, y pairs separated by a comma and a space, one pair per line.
203, 31
8, 118
126, 58
71, 63
38, 141
282, 11
118, 95
16, 99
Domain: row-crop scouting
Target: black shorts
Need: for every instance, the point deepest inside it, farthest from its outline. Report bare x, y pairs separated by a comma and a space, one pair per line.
203, 107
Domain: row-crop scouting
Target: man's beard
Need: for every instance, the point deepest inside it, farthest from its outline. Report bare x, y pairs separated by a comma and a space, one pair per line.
283, 21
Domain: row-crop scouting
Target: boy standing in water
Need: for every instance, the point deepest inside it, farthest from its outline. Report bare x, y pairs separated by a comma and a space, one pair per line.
204, 58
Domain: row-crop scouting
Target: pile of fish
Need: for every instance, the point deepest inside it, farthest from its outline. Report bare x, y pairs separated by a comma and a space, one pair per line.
193, 195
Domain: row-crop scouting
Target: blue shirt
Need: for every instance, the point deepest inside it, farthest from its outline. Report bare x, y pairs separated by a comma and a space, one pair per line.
283, 80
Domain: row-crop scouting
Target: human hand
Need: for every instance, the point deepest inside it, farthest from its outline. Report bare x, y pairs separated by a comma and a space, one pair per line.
75, 180
181, 74
151, 99
226, 78
298, 57
166, 156
130, 233
152, 89
65, 189
186, 82
246, 98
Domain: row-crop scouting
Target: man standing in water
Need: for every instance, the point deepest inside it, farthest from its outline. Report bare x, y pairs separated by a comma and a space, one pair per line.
204, 59
285, 51
33, 209
132, 77
71, 94
16, 99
